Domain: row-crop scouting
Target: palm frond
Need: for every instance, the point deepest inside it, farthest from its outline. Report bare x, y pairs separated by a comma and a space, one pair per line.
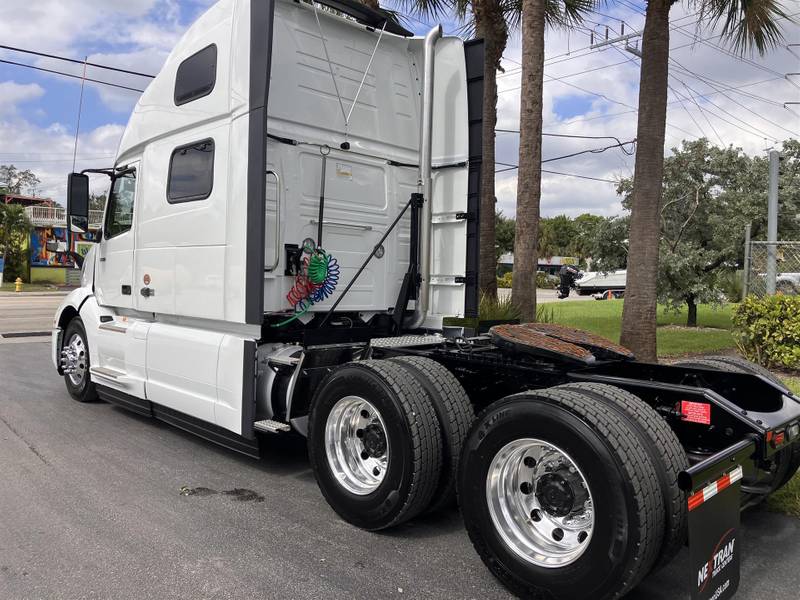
431, 9
748, 24
566, 13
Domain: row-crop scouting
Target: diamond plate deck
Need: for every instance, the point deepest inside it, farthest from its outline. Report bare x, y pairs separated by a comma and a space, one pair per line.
407, 341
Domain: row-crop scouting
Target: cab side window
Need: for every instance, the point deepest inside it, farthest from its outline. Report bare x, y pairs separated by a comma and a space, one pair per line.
119, 214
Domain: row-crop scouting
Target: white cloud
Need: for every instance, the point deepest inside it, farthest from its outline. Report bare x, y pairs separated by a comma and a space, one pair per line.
13, 94
48, 151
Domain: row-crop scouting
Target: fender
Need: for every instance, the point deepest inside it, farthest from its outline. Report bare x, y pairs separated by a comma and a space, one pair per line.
71, 307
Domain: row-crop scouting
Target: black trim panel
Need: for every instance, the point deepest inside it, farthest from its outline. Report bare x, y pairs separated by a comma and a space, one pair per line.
132, 403
249, 390
262, 14
473, 52
207, 431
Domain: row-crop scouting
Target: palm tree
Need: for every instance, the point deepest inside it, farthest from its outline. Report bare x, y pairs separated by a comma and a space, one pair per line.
748, 25
536, 15
491, 20
14, 226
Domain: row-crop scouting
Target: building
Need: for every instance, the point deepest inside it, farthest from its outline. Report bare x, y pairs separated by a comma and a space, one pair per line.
546, 264
49, 222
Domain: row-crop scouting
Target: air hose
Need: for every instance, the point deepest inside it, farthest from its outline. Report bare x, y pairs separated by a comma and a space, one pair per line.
315, 283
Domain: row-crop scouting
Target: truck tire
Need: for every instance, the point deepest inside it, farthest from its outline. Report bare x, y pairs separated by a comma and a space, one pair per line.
375, 444
533, 458
788, 459
665, 451
748, 367
455, 414
75, 354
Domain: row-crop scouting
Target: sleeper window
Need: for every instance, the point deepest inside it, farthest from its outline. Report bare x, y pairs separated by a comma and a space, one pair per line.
119, 213
197, 76
191, 172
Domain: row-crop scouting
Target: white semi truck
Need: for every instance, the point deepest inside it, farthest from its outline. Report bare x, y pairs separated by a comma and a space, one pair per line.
293, 212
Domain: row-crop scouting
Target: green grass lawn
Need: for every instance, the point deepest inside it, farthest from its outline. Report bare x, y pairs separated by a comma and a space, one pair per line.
8, 286
788, 499
604, 318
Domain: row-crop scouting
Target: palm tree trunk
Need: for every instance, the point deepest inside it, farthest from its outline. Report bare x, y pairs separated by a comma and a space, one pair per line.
639, 312
490, 24
529, 182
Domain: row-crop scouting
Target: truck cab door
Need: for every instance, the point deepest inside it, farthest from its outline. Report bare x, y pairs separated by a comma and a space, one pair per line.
114, 272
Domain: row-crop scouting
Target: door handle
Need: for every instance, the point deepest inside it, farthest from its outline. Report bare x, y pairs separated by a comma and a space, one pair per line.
147, 292
102, 259
126, 290
342, 224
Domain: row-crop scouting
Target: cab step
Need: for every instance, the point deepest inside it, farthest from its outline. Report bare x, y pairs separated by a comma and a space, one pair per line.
270, 426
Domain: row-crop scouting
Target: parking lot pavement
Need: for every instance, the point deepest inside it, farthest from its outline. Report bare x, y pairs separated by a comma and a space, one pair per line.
27, 313
93, 504
545, 296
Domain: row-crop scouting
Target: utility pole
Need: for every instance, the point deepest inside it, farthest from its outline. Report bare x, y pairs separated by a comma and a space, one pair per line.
748, 230
772, 221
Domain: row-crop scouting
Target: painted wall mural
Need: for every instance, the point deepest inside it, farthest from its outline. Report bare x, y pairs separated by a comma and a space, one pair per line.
40, 257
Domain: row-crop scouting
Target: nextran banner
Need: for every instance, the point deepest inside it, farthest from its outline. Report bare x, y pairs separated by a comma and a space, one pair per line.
713, 532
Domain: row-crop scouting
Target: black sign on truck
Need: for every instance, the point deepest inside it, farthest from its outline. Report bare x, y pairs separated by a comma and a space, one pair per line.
714, 544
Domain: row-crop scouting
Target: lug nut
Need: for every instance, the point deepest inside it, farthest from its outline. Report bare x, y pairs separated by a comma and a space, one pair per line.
525, 487
376, 471
364, 414
529, 462
359, 433
536, 515
558, 534
582, 536
364, 455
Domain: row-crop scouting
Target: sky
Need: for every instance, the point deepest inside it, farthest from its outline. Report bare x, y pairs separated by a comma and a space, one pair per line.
714, 93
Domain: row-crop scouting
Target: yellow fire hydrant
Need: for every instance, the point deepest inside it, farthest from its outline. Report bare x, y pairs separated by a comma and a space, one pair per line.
18, 285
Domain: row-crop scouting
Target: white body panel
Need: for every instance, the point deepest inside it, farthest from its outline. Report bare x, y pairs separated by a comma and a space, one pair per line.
184, 345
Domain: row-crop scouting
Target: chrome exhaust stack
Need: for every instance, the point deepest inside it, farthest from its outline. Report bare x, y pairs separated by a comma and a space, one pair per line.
425, 181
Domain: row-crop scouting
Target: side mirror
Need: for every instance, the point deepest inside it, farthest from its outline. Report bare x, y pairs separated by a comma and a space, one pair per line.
78, 200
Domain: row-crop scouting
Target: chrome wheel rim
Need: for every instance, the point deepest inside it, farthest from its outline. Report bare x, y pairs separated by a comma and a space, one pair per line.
356, 445
74, 359
540, 503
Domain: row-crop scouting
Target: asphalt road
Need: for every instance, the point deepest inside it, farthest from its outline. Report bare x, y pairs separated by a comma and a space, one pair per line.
26, 312
545, 296
93, 505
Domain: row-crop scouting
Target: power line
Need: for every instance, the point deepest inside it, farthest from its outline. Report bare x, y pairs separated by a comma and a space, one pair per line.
567, 135
705, 116
747, 108
115, 85
77, 62
57, 160
513, 167
621, 145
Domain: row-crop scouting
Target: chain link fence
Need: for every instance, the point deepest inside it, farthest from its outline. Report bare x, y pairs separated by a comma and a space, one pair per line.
787, 268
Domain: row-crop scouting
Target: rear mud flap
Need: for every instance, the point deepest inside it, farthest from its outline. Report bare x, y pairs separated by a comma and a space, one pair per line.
714, 546
714, 486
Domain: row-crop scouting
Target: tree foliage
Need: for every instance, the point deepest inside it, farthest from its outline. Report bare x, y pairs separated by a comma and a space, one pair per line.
504, 234
709, 195
14, 229
14, 181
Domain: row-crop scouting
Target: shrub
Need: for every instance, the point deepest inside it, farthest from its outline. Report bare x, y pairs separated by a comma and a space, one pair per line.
493, 309
505, 281
545, 281
767, 330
